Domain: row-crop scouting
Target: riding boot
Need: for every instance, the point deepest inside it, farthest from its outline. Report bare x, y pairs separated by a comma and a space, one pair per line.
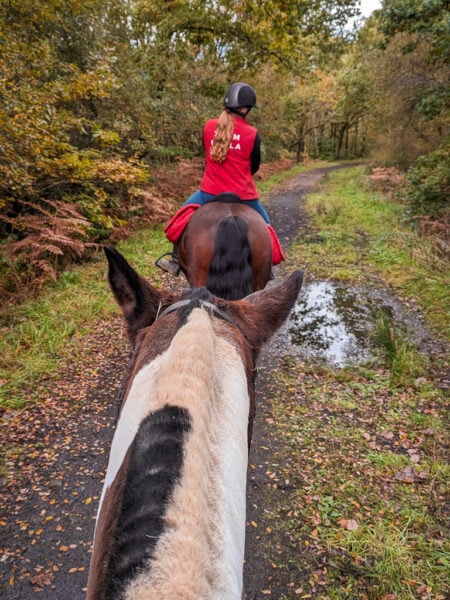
170, 265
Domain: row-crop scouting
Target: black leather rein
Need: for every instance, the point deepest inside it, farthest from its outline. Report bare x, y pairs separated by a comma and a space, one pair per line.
208, 306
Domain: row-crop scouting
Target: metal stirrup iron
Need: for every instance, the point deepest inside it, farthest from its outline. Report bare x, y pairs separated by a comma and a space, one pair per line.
169, 265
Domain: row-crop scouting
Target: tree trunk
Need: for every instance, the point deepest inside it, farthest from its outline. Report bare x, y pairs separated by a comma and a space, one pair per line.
340, 140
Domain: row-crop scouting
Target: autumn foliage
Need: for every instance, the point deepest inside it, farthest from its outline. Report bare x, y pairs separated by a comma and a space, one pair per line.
99, 98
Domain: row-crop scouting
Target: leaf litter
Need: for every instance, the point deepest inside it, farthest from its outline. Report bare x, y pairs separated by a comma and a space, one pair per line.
56, 454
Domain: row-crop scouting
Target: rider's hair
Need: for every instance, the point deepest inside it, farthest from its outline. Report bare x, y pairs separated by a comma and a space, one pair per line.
222, 139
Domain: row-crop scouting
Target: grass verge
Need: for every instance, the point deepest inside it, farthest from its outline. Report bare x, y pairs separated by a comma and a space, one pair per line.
359, 484
39, 335
362, 233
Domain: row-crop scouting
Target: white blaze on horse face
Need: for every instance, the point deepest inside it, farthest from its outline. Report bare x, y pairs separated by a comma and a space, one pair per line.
201, 553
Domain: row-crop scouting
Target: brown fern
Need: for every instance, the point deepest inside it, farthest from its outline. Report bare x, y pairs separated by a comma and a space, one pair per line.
51, 235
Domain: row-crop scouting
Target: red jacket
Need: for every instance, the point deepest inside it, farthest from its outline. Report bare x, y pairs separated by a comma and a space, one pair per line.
235, 173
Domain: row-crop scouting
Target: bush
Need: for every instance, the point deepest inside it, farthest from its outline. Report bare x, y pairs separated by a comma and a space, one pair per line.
428, 183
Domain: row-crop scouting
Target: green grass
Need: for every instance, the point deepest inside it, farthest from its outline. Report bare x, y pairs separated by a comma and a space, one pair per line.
363, 233
404, 361
39, 335
347, 440
395, 557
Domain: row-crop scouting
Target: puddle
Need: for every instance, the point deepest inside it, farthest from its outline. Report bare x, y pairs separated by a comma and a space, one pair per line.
330, 322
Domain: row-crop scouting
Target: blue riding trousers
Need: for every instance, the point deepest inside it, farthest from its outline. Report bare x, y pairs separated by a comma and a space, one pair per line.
202, 198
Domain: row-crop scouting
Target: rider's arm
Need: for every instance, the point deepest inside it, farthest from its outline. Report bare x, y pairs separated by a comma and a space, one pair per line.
255, 156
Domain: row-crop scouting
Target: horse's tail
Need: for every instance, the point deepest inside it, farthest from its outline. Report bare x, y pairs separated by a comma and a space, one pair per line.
230, 273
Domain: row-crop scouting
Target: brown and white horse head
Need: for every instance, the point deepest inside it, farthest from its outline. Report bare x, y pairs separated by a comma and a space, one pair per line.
171, 520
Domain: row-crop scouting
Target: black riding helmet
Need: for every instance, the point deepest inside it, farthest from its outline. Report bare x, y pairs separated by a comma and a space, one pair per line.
239, 95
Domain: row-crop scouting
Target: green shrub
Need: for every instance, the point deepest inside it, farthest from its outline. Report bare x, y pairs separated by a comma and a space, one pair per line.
428, 183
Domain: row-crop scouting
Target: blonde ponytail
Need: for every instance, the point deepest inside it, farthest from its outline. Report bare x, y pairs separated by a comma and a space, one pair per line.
222, 139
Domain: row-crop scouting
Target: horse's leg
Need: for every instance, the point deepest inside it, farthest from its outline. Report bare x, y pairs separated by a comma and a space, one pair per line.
195, 252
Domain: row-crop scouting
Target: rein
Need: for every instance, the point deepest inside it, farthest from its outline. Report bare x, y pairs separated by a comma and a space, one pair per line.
208, 306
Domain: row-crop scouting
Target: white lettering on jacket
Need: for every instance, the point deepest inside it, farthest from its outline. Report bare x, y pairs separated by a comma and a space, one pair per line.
236, 138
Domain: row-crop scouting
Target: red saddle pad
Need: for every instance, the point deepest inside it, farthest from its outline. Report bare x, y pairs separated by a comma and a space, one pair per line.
178, 222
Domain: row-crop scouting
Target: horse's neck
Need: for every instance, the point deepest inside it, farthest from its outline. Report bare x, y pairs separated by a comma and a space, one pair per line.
201, 550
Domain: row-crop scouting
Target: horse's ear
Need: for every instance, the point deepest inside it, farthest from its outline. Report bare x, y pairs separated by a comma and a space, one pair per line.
138, 299
272, 305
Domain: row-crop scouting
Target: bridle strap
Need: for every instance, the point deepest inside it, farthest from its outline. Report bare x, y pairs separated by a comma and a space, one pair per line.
208, 306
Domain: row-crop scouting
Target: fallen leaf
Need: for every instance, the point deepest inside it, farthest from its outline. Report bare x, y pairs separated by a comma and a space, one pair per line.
349, 524
410, 475
352, 525
42, 579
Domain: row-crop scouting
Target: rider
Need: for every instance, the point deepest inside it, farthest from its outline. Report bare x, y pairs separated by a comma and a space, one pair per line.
233, 155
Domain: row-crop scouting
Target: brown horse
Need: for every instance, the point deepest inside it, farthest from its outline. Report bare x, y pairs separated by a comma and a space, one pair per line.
171, 518
226, 247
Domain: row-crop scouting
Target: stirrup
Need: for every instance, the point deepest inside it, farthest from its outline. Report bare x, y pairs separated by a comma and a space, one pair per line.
168, 265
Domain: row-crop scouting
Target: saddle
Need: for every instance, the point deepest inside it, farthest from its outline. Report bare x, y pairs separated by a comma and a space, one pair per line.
180, 219
227, 198
178, 222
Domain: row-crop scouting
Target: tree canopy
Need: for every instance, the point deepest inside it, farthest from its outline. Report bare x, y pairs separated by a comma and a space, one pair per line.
95, 94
